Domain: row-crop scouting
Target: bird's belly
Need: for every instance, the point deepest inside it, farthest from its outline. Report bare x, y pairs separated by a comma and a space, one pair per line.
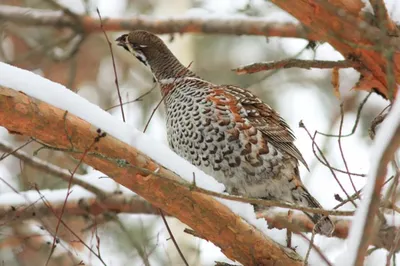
250, 174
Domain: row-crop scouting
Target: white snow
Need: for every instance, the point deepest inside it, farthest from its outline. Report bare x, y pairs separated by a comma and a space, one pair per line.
385, 133
53, 196
59, 96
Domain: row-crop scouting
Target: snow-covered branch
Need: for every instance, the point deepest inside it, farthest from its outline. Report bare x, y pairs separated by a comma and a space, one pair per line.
145, 167
161, 25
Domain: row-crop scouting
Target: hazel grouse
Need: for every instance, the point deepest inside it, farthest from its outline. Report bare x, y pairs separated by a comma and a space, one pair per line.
226, 131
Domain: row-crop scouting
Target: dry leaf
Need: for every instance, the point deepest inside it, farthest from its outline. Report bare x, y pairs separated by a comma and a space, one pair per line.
335, 82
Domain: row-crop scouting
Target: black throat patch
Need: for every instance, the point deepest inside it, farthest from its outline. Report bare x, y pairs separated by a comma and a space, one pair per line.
141, 58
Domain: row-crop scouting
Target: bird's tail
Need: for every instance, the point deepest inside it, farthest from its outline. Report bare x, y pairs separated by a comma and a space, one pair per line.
323, 224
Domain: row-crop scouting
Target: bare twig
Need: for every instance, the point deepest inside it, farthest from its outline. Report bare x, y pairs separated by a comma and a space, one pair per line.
11, 151
70, 230
314, 144
68, 193
291, 62
353, 130
134, 100
315, 248
173, 238
341, 148
113, 63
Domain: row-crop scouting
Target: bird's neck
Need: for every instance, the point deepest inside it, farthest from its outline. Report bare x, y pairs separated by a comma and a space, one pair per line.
167, 69
164, 65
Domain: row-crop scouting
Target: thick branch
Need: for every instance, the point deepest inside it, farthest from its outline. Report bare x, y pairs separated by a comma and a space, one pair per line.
184, 24
132, 169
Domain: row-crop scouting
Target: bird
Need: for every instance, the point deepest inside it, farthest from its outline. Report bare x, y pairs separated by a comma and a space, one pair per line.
226, 131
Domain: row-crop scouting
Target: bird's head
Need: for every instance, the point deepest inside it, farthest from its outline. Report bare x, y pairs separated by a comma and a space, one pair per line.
143, 45
153, 53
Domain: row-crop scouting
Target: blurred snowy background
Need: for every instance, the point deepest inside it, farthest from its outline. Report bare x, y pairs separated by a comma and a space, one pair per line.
297, 94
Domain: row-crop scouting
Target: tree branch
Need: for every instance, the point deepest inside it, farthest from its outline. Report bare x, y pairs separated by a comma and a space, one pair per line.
18, 211
341, 23
381, 14
132, 169
83, 205
184, 24
292, 62
50, 168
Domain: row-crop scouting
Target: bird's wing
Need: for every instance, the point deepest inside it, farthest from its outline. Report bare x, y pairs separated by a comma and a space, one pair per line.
268, 121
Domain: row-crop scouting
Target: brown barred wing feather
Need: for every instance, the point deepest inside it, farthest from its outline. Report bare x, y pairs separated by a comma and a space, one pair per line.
269, 122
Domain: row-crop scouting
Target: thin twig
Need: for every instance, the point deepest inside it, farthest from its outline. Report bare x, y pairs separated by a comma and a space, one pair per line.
341, 148
288, 231
173, 238
113, 63
68, 193
315, 248
291, 62
10, 151
358, 116
314, 144
169, 89
70, 229
135, 100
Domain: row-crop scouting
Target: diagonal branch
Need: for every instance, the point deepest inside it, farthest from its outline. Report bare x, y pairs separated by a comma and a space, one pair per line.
136, 171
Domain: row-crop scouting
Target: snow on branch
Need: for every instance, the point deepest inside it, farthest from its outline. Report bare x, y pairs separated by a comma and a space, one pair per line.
160, 25
386, 143
147, 168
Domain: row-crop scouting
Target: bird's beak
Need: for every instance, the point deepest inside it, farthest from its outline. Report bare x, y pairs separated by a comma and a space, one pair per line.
122, 41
